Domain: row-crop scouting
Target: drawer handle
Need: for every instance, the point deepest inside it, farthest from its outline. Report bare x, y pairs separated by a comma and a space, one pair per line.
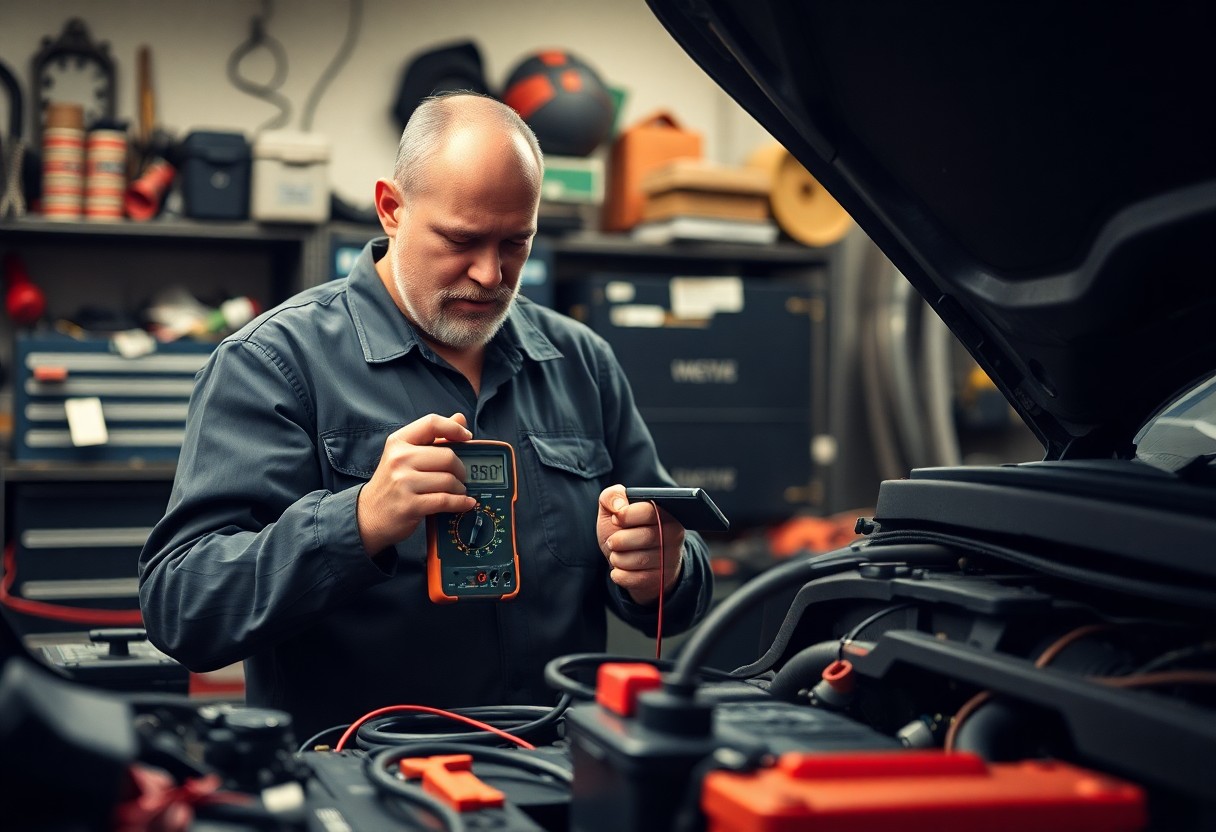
51, 373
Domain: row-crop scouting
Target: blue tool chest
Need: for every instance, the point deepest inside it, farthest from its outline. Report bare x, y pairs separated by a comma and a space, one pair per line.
75, 545
143, 399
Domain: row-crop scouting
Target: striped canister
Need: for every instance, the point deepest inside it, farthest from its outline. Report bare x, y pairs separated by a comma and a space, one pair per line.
63, 162
105, 175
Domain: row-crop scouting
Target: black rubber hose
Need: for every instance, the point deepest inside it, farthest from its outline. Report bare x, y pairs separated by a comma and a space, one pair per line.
803, 670
994, 731
778, 579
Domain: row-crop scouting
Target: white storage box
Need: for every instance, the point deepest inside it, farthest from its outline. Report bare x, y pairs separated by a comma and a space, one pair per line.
290, 177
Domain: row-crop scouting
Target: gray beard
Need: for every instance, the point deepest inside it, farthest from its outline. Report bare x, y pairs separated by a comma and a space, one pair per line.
455, 331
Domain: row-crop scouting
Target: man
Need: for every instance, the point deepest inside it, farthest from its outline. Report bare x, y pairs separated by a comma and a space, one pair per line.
295, 537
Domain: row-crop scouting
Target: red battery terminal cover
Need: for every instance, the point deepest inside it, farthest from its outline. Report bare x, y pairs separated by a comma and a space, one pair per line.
617, 685
450, 778
919, 791
835, 687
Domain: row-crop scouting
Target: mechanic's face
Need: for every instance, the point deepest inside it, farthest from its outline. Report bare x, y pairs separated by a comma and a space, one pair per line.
464, 236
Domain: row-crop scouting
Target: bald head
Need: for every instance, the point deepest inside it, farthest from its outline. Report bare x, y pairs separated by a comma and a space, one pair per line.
438, 120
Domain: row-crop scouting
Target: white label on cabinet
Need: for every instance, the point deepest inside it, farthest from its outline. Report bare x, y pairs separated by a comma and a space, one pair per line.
704, 297
86, 423
637, 315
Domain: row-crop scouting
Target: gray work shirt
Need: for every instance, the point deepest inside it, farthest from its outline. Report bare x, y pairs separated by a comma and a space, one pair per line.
259, 557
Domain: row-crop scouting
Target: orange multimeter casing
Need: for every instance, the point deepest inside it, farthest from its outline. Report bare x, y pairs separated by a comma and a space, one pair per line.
471, 554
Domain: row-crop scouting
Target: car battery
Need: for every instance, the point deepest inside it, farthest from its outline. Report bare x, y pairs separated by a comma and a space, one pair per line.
290, 177
71, 561
530, 801
634, 766
722, 369
215, 172
83, 401
874, 792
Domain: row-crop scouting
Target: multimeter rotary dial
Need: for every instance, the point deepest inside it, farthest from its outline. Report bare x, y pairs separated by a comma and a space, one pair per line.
476, 532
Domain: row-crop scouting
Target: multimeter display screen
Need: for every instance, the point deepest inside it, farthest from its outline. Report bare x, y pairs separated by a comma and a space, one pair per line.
484, 469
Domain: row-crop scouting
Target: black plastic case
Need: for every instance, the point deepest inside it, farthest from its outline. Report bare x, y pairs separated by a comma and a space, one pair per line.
215, 172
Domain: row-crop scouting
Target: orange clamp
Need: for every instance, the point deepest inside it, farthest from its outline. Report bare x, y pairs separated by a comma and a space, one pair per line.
450, 777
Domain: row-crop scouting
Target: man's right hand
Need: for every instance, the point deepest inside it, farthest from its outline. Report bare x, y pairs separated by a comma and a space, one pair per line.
415, 478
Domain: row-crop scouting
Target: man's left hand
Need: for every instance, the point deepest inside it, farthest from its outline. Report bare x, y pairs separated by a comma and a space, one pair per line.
628, 535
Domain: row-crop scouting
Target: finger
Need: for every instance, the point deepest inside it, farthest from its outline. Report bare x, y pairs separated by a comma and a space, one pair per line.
436, 482
643, 564
427, 429
634, 582
644, 522
440, 502
437, 459
635, 539
641, 513
613, 500
642, 560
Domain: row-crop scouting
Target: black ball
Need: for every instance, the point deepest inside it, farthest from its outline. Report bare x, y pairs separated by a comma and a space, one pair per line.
563, 100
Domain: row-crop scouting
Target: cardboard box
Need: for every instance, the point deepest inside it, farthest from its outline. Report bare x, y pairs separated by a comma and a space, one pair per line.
290, 177
639, 149
693, 188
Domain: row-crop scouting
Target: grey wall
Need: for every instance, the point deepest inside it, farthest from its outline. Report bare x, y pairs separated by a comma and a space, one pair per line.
191, 42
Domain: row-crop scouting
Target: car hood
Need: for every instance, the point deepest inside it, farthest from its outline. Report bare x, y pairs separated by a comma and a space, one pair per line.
1043, 173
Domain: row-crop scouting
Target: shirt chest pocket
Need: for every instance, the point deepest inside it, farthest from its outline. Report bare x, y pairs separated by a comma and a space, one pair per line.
354, 453
566, 473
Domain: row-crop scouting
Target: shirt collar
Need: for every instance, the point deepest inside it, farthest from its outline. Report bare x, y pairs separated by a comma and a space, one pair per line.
385, 334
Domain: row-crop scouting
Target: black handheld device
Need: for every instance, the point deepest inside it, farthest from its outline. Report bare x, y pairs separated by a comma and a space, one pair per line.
471, 554
691, 506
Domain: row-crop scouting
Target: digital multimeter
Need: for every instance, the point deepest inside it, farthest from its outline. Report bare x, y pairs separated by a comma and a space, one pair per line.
471, 554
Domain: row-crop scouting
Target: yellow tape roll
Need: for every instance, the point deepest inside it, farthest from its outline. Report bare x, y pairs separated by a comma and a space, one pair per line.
800, 205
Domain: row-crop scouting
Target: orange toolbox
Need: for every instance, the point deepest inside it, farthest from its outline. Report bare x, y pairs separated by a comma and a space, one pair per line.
640, 148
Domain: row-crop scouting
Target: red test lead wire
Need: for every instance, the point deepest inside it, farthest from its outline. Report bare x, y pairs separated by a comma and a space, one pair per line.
392, 709
658, 635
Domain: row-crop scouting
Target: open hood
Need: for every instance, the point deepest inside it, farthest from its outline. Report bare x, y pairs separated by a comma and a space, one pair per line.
1043, 173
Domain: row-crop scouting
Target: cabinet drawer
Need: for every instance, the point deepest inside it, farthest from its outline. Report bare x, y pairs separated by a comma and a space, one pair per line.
705, 343
759, 470
143, 400
77, 545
